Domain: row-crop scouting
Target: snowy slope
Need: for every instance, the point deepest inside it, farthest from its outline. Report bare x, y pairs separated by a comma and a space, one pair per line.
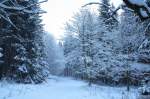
62, 88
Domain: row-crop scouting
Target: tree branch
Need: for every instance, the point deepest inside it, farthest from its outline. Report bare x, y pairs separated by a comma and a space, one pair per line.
18, 8
112, 13
141, 8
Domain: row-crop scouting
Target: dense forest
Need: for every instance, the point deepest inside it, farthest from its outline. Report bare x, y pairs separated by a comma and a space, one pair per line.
107, 46
113, 50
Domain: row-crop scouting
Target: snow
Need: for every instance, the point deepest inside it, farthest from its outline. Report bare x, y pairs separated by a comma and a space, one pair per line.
143, 13
140, 66
141, 3
23, 68
87, 59
137, 2
1, 55
63, 88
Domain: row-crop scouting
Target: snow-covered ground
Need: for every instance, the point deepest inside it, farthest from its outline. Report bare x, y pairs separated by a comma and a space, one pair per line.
63, 88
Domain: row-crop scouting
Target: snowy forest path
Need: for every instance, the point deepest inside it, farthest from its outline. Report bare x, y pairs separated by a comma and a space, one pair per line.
61, 88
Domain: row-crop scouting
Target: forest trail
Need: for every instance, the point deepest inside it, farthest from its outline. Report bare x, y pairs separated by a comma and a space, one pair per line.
62, 88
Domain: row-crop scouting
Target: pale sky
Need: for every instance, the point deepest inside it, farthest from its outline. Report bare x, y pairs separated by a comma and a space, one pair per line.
60, 11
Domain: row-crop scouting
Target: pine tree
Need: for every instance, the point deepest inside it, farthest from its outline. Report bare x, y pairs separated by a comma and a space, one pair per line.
103, 10
23, 46
104, 14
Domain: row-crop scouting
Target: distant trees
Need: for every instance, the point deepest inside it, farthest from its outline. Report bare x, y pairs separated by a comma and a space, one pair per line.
21, 36
54, 54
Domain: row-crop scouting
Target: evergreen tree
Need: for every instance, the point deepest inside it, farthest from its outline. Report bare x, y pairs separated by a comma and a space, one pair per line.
104, 14
96, 51
80, 42
103, 10
131, 32
23, 46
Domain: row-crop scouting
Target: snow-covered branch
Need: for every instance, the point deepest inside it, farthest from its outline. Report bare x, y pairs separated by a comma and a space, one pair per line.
140, 7
17, 8
112, 12
20, 8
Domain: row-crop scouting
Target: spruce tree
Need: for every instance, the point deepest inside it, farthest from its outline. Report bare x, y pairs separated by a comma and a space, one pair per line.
103, 10
23, 46
104, 14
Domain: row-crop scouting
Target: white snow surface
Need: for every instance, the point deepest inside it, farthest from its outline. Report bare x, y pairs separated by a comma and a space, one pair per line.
63, 88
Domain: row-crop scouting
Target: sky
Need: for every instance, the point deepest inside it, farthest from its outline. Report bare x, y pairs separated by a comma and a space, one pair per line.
59, 12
